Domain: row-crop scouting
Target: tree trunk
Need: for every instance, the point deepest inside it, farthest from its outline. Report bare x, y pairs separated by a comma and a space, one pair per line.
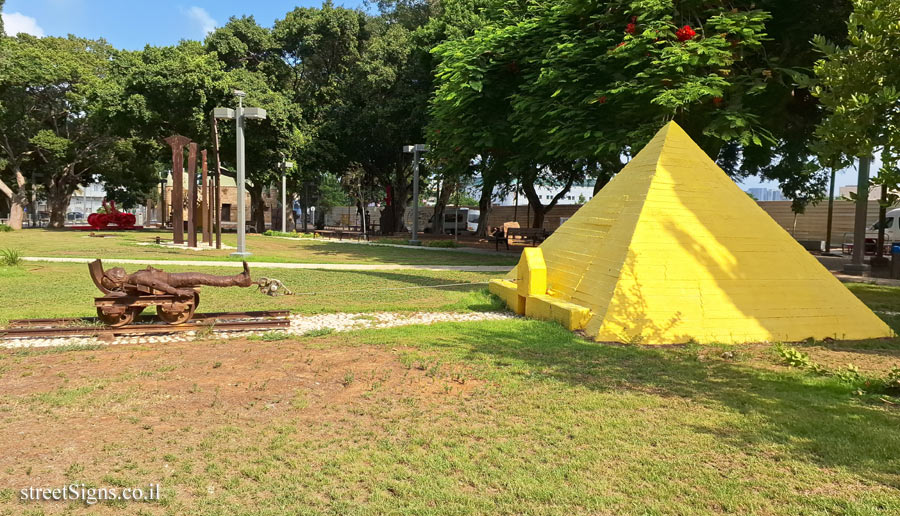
437, 227
882, 213
534, 200
58, 197
402, 193
17, 200
830, 212
484, 205
859, 222
257, 208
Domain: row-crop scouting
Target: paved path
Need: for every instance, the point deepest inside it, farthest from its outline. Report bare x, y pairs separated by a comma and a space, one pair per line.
275, 265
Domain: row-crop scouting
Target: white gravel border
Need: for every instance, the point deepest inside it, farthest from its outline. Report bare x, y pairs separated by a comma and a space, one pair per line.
300, 325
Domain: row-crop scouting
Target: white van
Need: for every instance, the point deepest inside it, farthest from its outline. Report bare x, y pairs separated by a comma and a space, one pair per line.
467, 221
891, 227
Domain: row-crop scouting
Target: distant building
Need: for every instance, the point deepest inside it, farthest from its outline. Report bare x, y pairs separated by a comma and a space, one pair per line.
580, 193
766, 194
874, 193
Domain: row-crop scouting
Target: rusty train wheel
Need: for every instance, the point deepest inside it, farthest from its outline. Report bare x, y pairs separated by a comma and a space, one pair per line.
178, 317
115, 319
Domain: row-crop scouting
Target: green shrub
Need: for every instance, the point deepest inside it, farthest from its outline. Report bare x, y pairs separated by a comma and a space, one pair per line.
321, 332
441, 243
292, 234
5, 229
793, 358
271, 336
849, 375
10, 257
892, 383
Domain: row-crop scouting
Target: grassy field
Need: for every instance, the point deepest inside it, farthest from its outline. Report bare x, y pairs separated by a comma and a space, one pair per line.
518, 417
124, 244
38, 290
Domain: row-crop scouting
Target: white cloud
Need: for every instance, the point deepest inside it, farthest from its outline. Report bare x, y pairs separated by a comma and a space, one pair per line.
14, 23
202, 18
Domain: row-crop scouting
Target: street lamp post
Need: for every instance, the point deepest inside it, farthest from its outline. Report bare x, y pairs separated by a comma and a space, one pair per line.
239, 116
415, 150
285, 165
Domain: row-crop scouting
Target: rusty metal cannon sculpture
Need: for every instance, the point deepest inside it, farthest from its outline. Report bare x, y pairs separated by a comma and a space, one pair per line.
173, 294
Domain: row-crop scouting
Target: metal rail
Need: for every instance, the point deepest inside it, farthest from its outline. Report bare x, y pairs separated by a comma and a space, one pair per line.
230, 321
212, 316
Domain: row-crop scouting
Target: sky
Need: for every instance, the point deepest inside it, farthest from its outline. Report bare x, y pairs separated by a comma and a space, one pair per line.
132, 24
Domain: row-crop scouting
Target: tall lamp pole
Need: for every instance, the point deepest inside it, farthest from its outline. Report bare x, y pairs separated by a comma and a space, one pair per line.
415, 150
285, 165
239, 116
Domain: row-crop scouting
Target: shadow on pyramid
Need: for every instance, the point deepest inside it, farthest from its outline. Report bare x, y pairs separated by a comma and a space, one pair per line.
672, 251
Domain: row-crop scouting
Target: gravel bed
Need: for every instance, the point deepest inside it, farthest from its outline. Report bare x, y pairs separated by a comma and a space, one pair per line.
300, 325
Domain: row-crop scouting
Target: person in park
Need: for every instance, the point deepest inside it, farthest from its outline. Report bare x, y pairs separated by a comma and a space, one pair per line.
179, 283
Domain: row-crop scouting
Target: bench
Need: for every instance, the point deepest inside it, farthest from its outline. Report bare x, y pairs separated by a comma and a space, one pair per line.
339, 233
536, 235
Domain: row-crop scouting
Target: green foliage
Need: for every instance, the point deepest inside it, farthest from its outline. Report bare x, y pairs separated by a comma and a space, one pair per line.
441, 243
5, 229
793, 357
859, 84
320, 332
10, 257
289, 234
892, 382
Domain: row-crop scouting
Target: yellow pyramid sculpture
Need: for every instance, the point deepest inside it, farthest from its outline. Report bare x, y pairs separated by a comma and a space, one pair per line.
672, 251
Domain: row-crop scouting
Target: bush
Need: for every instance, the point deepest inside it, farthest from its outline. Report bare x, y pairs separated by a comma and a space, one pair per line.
892, 383
292, 234
10, 257
5, 229
441, 243
794, 358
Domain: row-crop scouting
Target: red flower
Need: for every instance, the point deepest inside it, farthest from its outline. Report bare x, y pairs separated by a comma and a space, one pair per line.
685, 33
622, 44
717, 101
602, 99
630, 28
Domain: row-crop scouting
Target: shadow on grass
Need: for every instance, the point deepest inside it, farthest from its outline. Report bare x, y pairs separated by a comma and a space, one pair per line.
812, 419
485, 302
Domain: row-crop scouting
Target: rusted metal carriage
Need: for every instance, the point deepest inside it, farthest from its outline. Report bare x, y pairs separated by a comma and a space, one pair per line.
120, 307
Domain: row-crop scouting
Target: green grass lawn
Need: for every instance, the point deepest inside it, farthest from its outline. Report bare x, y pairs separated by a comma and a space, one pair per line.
513, 417
123, 244
39, 290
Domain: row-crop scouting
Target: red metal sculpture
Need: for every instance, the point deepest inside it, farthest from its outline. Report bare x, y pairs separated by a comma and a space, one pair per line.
111, 215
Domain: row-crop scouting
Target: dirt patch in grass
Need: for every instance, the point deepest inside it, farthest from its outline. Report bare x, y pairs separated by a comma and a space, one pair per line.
872, 358
79, 415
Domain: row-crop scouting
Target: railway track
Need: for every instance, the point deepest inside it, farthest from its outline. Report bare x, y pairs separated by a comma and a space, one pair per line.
145, 325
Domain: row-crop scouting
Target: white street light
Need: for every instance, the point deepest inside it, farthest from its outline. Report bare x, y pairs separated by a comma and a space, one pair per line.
239, 115
415, 150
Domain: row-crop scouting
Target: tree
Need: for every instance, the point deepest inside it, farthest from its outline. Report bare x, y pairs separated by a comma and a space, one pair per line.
52, 96
252, 62
559, 90
859, 86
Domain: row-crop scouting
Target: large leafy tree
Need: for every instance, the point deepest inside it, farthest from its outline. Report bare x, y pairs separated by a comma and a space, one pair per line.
251, 59
859, 86
581, 84
53, 96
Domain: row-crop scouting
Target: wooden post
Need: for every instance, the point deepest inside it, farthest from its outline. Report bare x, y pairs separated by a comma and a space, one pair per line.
217, 201
192, 195
177, 142
204, 192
